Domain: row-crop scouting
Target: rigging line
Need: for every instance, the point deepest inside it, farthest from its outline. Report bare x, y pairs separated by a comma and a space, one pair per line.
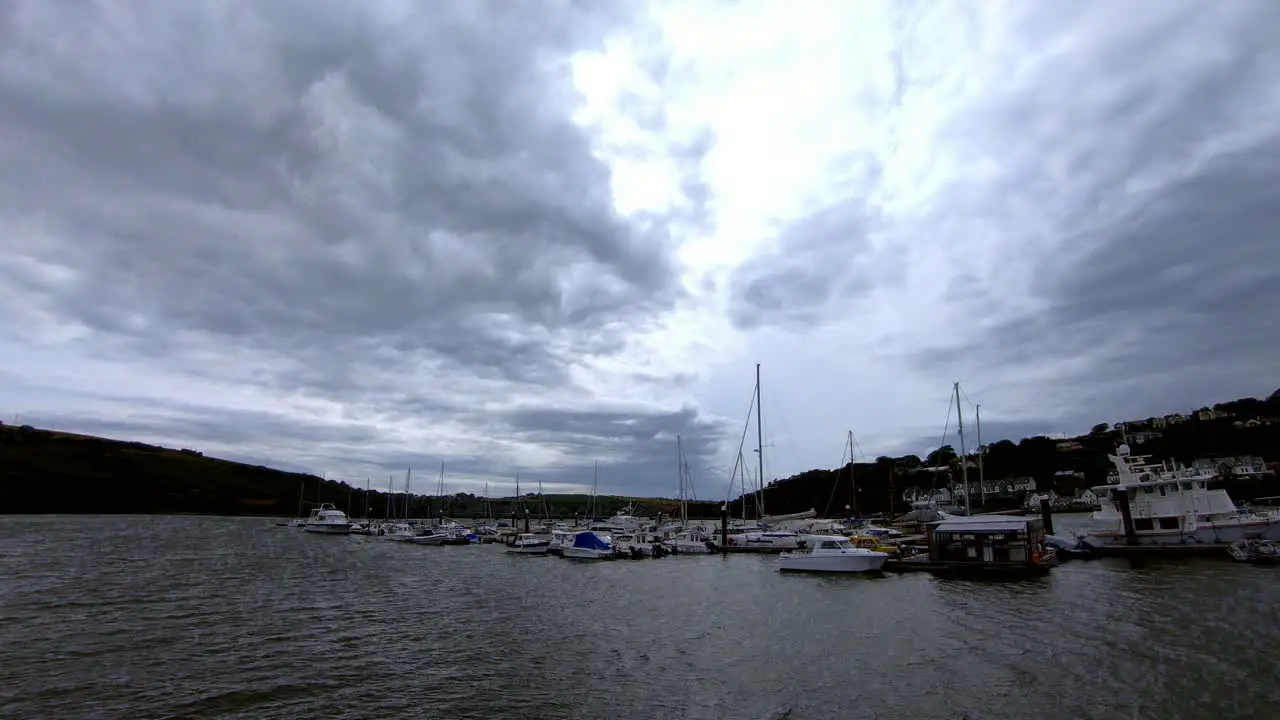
861, 452
947, 426
741, 443
826, 512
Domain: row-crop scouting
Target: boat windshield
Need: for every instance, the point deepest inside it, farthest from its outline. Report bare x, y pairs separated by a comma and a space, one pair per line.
844, 545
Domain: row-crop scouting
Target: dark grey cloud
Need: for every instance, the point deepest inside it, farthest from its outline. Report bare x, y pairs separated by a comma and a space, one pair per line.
1152, 161
375, 205
813, 259
1177, 304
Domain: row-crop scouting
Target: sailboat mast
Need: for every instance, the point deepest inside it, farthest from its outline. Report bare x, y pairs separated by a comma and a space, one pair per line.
684, 504
759, 445
367, 484
407, 496
302, 489
440, 492
964, 469
853, 486
982, 478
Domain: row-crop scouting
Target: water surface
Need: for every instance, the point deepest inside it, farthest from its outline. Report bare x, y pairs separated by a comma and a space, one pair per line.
195, 617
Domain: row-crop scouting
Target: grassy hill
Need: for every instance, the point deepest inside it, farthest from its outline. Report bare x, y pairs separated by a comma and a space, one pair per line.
44, 471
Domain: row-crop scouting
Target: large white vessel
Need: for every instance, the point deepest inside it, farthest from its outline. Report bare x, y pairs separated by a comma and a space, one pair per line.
1171, 505
328, 520
832, 554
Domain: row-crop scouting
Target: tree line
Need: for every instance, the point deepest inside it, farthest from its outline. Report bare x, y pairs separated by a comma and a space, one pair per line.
43, 471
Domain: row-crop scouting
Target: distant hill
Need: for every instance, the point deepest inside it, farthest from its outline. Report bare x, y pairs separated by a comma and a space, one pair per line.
1248, 426
44, 471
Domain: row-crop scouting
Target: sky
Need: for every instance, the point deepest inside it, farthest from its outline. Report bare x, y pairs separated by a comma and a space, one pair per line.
546, 238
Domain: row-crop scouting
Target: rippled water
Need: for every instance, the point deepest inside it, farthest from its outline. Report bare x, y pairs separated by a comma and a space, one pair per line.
192, 617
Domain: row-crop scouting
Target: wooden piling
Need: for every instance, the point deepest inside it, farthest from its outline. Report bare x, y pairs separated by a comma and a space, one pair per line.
1046, 515
724, 528
1126, 516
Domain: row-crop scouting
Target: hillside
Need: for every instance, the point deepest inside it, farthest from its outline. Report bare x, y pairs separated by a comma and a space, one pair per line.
43, 471
1248, 426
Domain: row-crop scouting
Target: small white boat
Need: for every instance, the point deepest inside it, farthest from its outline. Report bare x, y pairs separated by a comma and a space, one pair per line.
435, 538
1258, 552
832, 554
402, 532
692, 542
328, 520
770, 539
560, 539
589, 546
528, 544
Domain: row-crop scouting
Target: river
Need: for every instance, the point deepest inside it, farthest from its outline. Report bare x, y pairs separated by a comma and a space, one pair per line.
202, 617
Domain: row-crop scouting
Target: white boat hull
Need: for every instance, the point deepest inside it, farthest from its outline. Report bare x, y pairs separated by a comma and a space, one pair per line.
428, 539
328, 528
1204, 534
578, 553
863, 562
691, 547
528, 549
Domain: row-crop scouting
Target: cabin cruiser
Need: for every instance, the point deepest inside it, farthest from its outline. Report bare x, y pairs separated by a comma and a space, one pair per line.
691, 542
328, 520
528, 544
832, 554
560, 539
587, 545
1171, 506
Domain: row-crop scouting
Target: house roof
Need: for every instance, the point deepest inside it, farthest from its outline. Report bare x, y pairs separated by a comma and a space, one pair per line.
983, 524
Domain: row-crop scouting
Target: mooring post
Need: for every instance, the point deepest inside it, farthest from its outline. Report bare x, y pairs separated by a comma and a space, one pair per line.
1126, 515
1046, 514
724, 527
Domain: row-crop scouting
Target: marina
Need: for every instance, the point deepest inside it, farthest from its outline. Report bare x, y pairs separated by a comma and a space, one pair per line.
190, 611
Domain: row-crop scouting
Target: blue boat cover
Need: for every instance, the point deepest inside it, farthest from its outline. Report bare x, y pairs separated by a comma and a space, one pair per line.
589, 540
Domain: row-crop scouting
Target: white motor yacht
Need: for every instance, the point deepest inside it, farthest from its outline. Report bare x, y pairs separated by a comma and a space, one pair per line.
832, 554
328, 520
1171, 506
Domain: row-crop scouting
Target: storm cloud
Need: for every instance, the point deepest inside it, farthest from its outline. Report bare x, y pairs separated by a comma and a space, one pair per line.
517, 237
380, 209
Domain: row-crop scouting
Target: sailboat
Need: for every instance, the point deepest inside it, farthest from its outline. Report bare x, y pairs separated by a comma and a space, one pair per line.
687, 540
763, 540
299, 521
